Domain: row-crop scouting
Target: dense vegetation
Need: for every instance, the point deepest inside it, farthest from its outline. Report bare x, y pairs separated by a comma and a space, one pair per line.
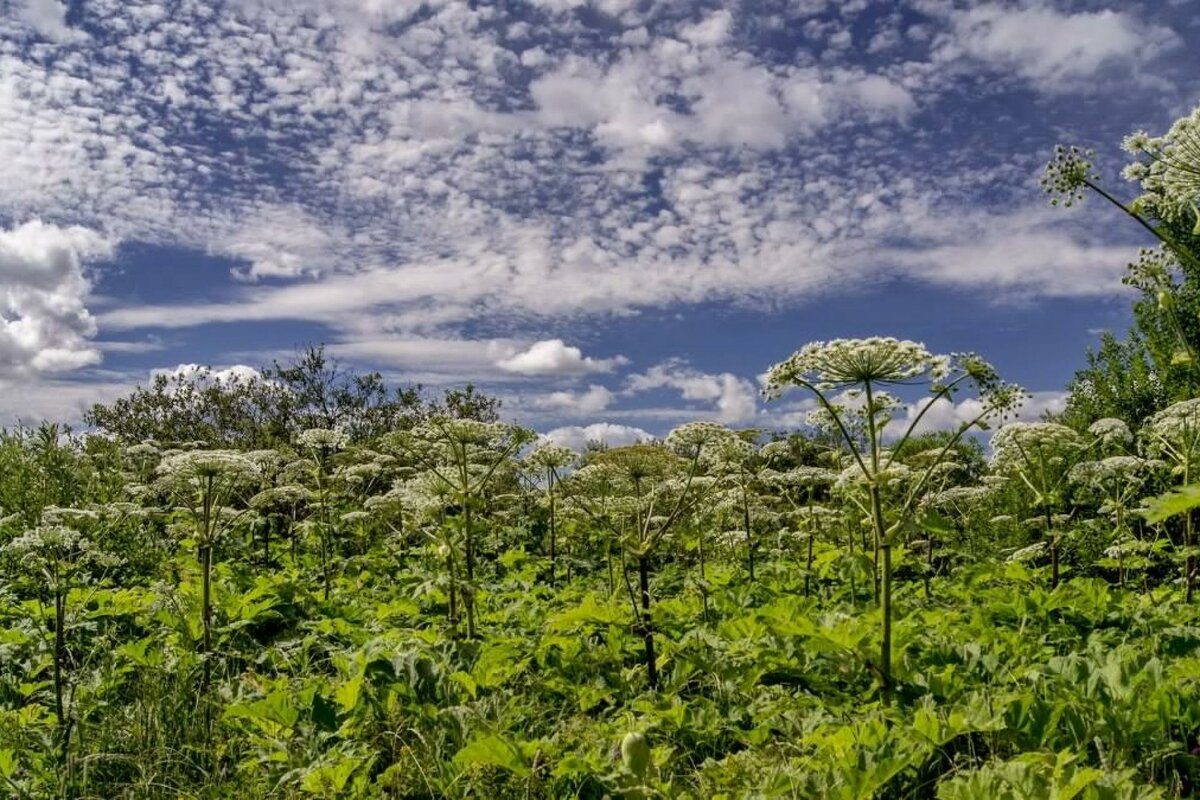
304, 585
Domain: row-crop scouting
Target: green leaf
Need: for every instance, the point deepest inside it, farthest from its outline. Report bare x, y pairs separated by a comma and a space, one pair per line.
499, 664
492, 750
1177, 501
935, 523
275, 708
347, 694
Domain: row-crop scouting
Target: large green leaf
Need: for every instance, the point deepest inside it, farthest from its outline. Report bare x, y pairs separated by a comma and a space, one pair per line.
1175, 502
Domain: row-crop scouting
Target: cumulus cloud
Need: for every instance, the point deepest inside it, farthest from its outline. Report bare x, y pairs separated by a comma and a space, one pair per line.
577, 437
236, 373
45, 325
945, 415
733, 399
582, 403
29, 401
555, 357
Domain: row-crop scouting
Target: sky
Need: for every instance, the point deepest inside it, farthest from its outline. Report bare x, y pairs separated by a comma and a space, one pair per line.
615, 215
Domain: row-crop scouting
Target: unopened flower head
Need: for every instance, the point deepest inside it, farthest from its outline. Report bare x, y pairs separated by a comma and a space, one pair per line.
1153, 270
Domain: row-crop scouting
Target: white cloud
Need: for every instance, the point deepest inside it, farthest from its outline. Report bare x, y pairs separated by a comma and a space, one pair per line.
1026, 252
48, 18
712, 30
279, 242
555, 357
203, 374
1054, 50
594, 399
42, 398
734, 399
576, 437
44, 322
944, 415
394, 175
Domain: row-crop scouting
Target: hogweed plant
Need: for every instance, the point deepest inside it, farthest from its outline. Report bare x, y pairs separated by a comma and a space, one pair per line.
870, 366
736, 462
465, 455
1173, 435
640, 493
1039, 457
321, 444
54, 559
1168, 171
205, 484
1114, 483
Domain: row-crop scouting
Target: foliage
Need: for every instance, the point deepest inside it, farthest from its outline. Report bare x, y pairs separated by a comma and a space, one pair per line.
252, 409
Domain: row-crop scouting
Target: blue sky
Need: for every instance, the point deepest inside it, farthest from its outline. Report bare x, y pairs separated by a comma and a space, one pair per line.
608, 212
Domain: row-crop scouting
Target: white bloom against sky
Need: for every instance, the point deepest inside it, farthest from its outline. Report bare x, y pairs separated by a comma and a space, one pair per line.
602, 210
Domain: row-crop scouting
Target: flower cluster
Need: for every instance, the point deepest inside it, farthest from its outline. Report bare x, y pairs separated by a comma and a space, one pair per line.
1111, 432
1068, 174
1030, 553
1153, 270
853, 362
1174, 433
202, 464
690, 439
1017, 444
1168, 169
957, 497
1114, 470
322, 439
551, 456
56, 553
277, 496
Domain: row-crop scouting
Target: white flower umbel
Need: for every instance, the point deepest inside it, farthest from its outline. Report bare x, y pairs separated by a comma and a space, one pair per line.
1039, 456
1173, 435
465, 455
1168, 170
204, 482
56, 559
1114, 434
868, 366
